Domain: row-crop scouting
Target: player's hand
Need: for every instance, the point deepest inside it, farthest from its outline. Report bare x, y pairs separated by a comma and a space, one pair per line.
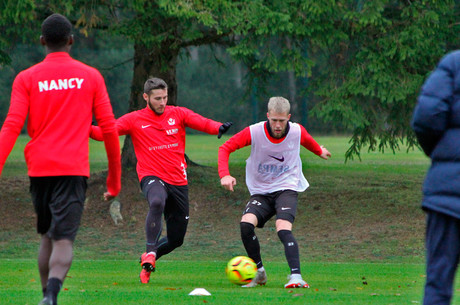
108, 196
223, 128
325, 153
228, 182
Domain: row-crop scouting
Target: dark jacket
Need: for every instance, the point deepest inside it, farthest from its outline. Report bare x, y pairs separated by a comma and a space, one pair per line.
436, 122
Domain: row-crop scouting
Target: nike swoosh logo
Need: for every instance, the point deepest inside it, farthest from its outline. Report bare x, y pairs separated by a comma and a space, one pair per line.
145, 126
283, 209
187, 217
151, 181
279, 159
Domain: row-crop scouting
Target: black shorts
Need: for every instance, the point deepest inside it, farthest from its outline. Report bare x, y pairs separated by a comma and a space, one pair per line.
58, 202
283, 204
176, 197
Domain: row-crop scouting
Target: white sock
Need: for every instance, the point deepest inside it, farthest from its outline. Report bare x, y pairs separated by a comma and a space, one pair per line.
261, 269
296, 276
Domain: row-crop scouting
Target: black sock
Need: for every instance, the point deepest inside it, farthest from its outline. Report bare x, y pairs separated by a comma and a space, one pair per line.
251, 243
291, 250
52, 288
44, 291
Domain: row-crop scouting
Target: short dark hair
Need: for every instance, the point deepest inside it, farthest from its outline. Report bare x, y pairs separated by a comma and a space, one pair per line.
56, 29
154, 83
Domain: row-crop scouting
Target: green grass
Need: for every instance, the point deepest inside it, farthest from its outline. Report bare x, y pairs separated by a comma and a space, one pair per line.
15, 164
116, 282
359, 221
203, 149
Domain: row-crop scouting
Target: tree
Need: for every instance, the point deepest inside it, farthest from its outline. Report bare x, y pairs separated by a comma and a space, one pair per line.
366, 59
372, 75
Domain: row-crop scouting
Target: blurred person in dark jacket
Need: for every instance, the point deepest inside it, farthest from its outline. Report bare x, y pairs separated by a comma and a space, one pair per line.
436, 122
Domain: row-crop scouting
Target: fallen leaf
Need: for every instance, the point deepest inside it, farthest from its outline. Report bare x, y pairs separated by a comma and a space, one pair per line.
316, 289
374, 294
332, 289
397, 294
115, 283
364, 283
170, 288
66, 289
298, 295
82, 290
32, 281
360, 288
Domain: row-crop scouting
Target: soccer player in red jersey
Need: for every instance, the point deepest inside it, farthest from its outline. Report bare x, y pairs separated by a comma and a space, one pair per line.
60, 96
158, 135
274, 177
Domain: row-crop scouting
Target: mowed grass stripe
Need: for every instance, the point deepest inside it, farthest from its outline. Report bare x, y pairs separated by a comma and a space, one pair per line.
116, 282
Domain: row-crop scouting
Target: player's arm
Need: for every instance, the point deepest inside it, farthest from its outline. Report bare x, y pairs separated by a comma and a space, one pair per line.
431, 114
15, 119
199, 122
106, 120
122, 125
307, 141
239, 140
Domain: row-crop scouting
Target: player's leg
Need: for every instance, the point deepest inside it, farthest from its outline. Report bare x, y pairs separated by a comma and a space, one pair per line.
443, 250
66, 207
41, 191
286, 206
155, 192
177, 217
257, 212
44, 254
249, 238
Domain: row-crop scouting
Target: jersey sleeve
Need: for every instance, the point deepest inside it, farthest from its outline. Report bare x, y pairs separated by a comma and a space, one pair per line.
307, 141
123, 128
106, 120
198, 122
238, 141
19, 107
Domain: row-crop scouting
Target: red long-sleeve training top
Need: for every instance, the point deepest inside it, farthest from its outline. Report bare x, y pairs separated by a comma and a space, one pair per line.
60, 96
243, 138
159, 140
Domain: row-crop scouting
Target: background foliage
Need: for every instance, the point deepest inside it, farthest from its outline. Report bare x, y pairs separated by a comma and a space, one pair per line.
347, 66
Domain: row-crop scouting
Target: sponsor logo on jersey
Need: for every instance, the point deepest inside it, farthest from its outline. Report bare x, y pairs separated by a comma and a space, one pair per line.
163, 146
276, 158
170, 132
60, 84
171, 121
272, 168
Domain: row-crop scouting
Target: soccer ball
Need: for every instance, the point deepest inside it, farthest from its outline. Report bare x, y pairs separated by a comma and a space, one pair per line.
241, 270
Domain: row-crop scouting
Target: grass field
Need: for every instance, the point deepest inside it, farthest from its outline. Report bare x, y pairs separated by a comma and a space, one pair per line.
359, 222
114, 282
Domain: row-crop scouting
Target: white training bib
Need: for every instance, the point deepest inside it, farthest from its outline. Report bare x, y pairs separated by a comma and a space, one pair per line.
273, 167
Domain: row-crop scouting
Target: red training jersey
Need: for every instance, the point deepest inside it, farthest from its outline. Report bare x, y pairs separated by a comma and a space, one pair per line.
159, 140
243, 138
60, 96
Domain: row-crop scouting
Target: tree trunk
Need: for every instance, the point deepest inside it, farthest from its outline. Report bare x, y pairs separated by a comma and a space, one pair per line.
149, 62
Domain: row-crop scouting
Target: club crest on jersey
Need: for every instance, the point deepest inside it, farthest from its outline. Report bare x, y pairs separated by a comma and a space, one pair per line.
171, 121
171, 132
